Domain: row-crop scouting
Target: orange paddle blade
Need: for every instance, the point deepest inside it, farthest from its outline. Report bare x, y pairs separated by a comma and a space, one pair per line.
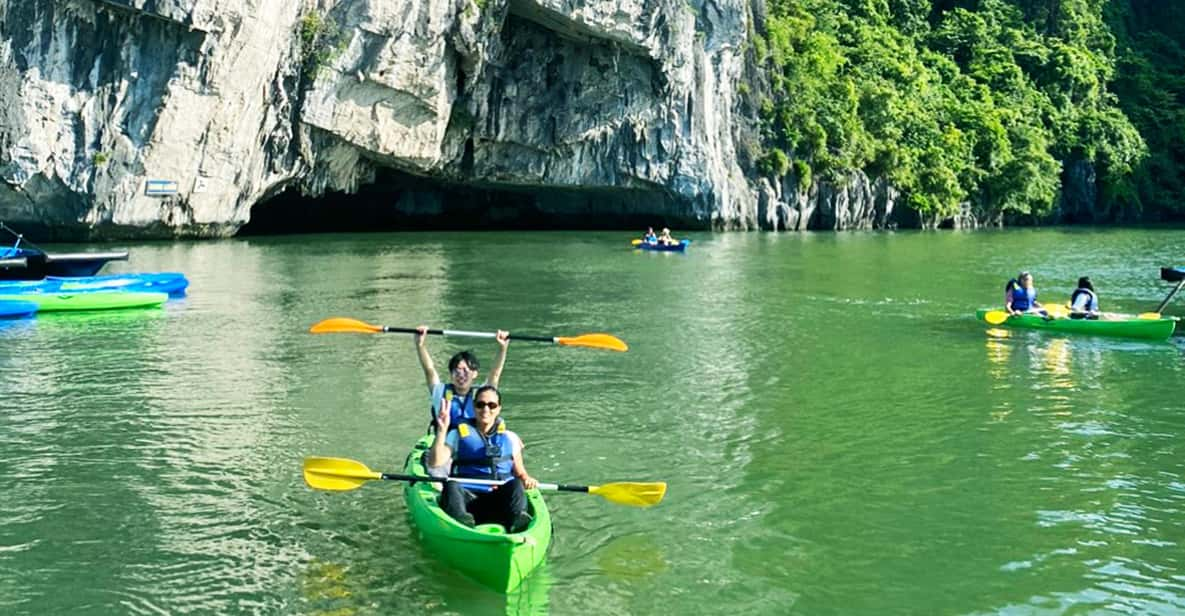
337, 474
595, 341
342, 325
631, 493
995, 317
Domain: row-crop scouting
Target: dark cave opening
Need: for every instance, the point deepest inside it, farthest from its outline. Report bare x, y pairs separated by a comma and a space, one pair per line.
398, 201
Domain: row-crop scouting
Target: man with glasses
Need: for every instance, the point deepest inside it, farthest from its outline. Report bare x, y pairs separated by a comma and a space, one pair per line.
463, 369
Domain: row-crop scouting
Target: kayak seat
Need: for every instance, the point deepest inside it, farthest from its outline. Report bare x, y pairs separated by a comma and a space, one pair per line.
490, 529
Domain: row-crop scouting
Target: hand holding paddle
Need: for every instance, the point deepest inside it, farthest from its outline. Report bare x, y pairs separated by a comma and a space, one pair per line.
342, 325
341, 474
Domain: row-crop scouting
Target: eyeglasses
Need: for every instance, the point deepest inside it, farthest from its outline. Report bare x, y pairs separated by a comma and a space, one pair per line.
482, 404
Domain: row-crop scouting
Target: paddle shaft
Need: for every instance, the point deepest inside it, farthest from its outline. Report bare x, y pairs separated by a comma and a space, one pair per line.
20, 237
413, 478
458, 332
551, 487
1166, 301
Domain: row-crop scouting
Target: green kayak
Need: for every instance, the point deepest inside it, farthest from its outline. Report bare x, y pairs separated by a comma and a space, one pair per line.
98, 300
1130, 327
487, 554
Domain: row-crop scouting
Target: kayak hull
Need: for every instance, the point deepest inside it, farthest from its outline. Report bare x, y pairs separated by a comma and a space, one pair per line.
486, 554
680, 247
16, 309
172, 283
97, 300
1143, 329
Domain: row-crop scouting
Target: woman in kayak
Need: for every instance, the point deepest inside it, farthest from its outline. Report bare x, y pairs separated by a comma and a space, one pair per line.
1021, 297
665, 237
463, 369
1084, 302
481, 448
649, 237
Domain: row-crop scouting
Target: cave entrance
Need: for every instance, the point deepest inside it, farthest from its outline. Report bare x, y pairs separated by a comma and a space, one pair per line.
398, 201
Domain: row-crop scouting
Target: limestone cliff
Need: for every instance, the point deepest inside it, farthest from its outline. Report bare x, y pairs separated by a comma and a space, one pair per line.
160, 118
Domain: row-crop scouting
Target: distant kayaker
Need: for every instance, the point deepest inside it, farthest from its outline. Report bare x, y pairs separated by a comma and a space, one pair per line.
650, 237
665, 237
1020, 296
481, 448
463, 370
1084, 302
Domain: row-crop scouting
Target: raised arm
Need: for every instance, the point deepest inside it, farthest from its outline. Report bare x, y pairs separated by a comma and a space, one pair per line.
439, 454
425, 360
503, 339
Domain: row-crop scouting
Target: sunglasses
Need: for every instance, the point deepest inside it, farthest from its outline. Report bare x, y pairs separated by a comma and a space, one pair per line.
482, 404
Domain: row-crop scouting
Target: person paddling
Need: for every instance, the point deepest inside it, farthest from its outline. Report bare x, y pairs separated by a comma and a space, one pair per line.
481, 448
1084, 302
649, 237
463, 371
665, 238
1020, 296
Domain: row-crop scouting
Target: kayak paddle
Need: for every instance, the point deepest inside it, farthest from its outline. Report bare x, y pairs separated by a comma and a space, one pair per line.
995, 317
635, 242
341, 474
342, 325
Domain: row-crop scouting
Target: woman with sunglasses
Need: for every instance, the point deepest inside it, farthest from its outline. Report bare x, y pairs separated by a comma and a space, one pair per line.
463, 369
481, 448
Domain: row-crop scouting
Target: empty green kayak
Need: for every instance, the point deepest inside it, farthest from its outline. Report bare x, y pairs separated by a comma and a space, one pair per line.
1131, 327
98, 300
487, 554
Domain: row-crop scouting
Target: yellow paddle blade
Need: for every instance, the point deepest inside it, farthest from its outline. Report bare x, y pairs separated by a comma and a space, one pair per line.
595, 341
632, 494
342, 325
995, 317
1057, 311
635, 242
1151, 316
338, 474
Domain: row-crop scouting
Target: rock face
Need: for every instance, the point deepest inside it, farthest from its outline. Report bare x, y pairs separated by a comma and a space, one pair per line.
161, 118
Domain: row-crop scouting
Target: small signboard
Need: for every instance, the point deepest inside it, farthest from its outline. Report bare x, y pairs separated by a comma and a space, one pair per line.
160, 188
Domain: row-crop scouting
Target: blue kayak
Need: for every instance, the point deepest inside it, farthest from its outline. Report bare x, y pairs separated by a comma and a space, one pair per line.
172, 283
680, 247
16, 309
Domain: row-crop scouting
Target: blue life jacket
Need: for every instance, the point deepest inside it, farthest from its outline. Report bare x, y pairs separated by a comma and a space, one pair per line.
461, 409
1022, 298
650, 239
1092, 301
479, 456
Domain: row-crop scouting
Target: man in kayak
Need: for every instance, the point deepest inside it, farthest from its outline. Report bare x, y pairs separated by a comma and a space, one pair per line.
463, 369
649, 237
481, 448
1084, 302
1020, 296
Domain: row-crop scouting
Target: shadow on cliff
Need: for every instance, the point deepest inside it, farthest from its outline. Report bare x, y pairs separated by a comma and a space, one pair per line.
398, 201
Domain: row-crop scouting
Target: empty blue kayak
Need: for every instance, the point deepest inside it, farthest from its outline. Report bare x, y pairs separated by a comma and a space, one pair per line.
16, 309
173, 283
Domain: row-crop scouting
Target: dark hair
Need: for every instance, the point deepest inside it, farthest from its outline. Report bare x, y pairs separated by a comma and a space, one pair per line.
469, 358
485, 388
1084, 283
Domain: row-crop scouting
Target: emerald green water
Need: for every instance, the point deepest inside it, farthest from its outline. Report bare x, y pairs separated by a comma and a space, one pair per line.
838, 433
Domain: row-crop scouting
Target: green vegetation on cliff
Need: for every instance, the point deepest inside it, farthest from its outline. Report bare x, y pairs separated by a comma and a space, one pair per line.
983, 102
